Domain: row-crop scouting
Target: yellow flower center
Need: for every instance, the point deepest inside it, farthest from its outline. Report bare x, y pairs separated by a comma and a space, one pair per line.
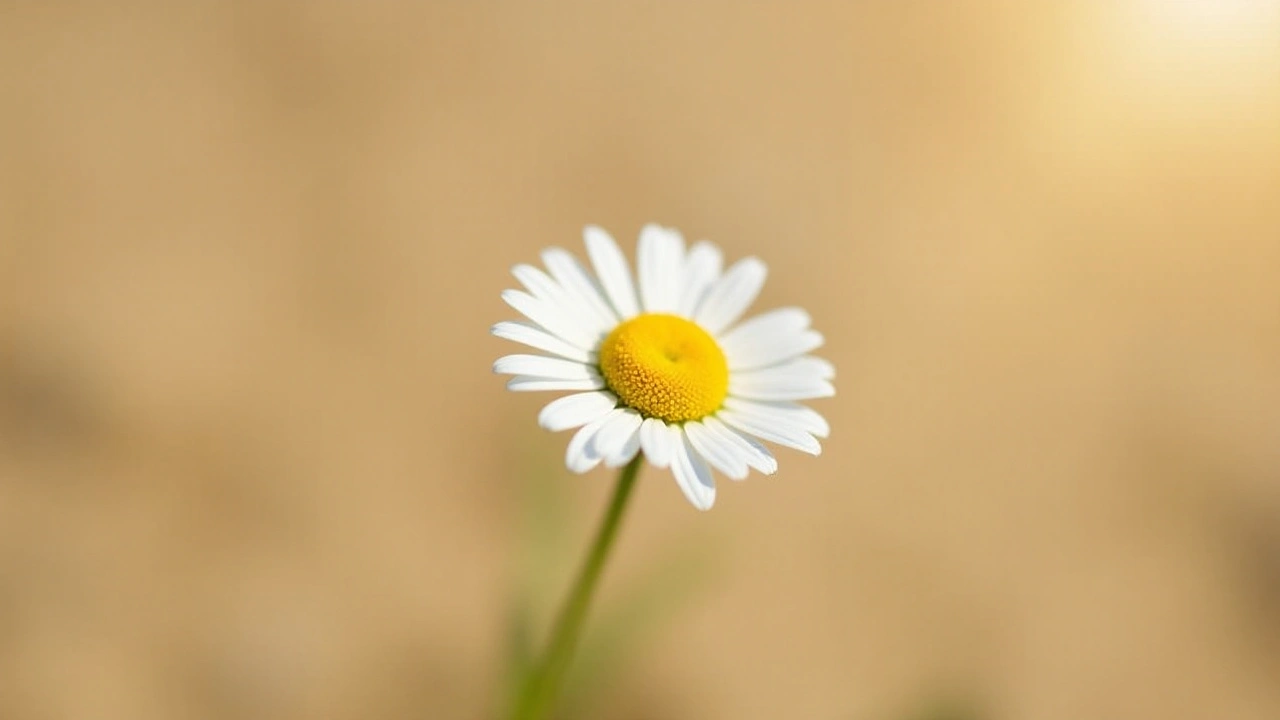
665, 367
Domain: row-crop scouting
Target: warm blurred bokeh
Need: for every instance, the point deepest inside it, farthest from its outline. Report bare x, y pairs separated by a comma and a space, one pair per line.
253, 462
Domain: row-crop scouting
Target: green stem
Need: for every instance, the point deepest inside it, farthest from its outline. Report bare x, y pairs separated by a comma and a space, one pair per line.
539, 695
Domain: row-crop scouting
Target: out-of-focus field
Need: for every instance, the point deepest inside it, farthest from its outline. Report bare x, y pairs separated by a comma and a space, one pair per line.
253, 462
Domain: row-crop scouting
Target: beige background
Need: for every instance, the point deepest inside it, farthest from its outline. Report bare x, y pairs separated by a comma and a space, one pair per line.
253, 462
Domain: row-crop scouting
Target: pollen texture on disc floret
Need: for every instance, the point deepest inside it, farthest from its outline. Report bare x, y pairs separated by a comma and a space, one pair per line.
665, 367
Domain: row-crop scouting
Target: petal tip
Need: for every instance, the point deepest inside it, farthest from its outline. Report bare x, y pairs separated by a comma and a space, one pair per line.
702, 503
594, 234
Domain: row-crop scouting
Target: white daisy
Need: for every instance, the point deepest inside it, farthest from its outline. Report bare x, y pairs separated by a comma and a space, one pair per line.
662, 365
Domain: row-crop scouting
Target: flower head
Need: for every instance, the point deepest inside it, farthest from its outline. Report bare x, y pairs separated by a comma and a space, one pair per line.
662, 365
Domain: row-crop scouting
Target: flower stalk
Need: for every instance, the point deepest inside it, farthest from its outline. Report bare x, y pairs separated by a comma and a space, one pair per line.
539, 694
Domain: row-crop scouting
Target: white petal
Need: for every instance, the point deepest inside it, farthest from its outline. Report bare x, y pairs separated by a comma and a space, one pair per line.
801, 378
730, 296
613, 271
550, 292
701, 269
571, 411
649, 252
762, 352
804, 366
544, 367
626, 453
580, 457
615, 434
536, 337
656, 442
784, 387
538, 283
552, 319
783, 433
526, 383
723, 455
806, 418
756, 455
660, 268
574, 278
764, 329
691, 471
673, 278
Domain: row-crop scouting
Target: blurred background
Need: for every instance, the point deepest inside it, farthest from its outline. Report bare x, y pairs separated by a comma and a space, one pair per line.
254, 464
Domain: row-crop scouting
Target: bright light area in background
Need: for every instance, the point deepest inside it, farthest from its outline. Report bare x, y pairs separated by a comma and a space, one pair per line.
1224, 29
1199, 51
1128, 93
1205, 72
1206, 17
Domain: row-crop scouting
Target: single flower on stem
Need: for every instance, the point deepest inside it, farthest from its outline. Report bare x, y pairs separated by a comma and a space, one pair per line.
660, 369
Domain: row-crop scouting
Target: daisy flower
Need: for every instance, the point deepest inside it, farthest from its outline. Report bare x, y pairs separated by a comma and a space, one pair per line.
659, 364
